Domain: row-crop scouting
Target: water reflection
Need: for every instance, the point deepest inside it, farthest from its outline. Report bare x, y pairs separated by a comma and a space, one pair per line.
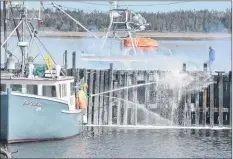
115, 142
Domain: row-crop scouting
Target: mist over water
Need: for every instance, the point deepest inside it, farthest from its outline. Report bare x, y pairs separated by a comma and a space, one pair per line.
193, 52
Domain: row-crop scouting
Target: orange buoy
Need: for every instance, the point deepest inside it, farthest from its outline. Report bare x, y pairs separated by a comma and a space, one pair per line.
144, 44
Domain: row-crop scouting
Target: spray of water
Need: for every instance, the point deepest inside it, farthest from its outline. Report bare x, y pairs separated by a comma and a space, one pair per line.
155, 118
169, 87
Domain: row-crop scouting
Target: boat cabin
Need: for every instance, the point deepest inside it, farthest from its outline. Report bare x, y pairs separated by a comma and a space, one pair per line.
62, 88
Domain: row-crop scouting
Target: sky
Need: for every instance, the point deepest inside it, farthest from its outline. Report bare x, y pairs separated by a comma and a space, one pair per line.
148, 6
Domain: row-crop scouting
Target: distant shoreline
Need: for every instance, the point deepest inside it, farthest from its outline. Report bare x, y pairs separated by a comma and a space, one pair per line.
141, 34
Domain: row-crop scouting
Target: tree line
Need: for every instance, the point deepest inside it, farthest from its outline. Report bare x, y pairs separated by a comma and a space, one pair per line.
177, 21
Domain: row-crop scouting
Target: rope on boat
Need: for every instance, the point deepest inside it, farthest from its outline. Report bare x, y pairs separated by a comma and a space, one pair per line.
109, 27
5, 153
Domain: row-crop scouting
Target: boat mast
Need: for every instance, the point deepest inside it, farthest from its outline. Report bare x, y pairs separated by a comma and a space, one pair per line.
0, 27
24, 48
5, 29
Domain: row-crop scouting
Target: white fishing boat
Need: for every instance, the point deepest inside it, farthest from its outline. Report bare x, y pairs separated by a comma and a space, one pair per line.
37, 103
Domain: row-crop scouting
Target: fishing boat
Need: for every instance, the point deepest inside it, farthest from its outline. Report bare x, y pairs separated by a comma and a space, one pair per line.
37, 103
122, 21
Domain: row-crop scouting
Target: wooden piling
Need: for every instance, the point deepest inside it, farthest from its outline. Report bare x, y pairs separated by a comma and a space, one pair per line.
106, 99
189, 109
211, 105
110, 94
96, 98
220, 93
65, 60
74, 64
134, 107
205, 67
147, 95
101, 98
74, 70
126, 95
77, 77
197, 109
100, 109
119, 96
204, 107
89, 112
184, 99
85, 74
184, 67
230, 107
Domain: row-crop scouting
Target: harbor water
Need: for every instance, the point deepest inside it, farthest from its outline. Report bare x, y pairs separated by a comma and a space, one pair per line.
105, 142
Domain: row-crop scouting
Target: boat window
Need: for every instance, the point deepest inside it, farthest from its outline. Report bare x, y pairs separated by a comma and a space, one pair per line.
72, 89
3, 88
32, 89
49, 91
16, 87
63, 90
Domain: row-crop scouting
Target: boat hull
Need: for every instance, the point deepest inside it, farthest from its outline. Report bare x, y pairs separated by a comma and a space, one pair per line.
29, 118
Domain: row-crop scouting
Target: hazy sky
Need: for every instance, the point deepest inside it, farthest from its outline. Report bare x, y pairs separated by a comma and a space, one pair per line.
149, 6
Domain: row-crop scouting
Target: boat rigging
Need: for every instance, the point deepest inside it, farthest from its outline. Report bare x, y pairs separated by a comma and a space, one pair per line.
122, 21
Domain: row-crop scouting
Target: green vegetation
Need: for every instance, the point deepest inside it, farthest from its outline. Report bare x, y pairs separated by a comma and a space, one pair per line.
178, 21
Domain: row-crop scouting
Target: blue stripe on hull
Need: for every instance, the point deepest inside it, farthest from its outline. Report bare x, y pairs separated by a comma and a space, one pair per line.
27, 122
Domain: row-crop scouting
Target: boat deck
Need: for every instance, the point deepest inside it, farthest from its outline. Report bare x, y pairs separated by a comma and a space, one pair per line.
118, 58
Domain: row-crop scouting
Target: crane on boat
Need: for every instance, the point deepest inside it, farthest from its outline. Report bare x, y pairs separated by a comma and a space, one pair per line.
122, 21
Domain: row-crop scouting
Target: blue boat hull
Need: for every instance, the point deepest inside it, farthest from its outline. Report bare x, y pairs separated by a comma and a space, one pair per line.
36, 118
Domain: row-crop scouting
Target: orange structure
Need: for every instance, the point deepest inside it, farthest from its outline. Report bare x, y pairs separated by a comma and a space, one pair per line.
144, 44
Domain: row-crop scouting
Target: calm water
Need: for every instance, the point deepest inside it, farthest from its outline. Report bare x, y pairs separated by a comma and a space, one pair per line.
119, 143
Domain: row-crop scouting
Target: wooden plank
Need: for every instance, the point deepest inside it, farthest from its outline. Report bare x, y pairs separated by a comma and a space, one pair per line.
189, 109
134, 96
66, 65
223, 110
89, 116
96, 98
230, 107
220, 93
77, 75
76, 81
101, 98
119, 96
184, 97
197, 111
74, 64
180, 108
204, 107
184, 67
147, 95
110, 94
126, 104
106, 99
211, 105
85, 74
